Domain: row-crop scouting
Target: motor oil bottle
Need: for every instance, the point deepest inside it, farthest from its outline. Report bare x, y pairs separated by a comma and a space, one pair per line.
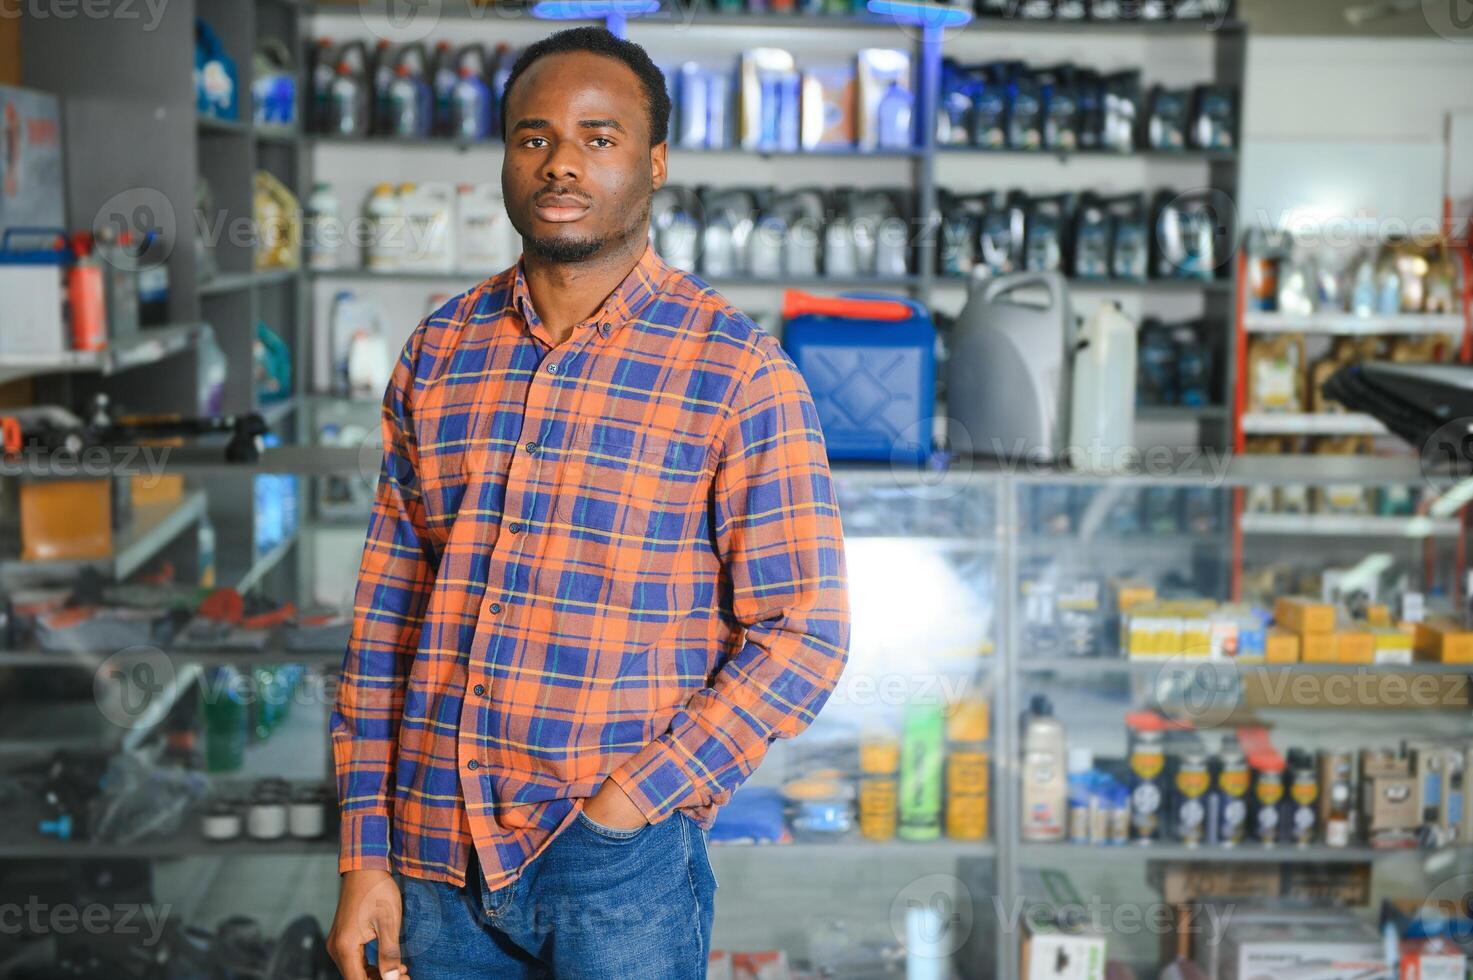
1045, 777
1193, 781
443, 76
1147, 779
1231, 796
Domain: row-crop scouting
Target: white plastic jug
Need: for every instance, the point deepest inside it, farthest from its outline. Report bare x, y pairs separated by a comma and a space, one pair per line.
360, 356
484, 239
1102, 408
427, 228
385, 245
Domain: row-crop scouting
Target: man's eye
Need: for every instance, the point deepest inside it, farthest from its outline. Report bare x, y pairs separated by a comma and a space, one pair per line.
603, 141
533, 141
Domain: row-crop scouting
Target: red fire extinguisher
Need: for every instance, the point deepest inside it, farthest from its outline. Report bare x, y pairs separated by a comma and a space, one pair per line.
85, 296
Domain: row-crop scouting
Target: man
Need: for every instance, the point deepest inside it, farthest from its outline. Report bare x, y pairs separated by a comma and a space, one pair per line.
604, 572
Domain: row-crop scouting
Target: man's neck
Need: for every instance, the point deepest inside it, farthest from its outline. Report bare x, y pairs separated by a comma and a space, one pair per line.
564, 294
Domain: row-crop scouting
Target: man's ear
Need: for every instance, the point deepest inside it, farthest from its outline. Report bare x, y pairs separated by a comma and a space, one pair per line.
657, 164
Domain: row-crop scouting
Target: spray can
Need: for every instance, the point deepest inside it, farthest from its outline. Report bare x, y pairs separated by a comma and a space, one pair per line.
879, 790
1231, 804
966, 771
922, 746
1045, 777
1268, 799
1192, 783
1304, 795
1337, 797
1147, 771
85, 297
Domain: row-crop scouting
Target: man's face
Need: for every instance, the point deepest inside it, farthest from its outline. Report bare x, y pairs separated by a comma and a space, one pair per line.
579, 169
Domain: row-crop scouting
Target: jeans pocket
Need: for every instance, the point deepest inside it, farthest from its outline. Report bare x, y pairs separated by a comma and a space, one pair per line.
610, 833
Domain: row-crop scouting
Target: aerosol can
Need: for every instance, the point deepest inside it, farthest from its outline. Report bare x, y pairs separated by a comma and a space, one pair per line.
1045, 774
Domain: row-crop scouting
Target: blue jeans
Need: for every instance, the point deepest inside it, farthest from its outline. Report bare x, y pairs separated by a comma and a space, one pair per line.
597, 903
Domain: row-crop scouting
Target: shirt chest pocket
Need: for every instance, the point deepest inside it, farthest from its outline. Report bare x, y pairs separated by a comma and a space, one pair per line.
633, 488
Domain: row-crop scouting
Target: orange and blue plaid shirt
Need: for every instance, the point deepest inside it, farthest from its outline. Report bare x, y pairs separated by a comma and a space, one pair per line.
618, 555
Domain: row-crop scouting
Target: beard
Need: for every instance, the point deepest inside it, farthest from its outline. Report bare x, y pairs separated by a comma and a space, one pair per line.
564, 250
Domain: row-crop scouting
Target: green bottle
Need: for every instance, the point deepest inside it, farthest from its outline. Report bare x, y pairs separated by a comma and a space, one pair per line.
922, 745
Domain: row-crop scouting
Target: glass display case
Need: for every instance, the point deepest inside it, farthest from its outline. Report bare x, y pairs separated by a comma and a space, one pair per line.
934, 812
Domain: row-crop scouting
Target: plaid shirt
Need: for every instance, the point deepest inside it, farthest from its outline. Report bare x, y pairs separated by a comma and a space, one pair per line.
617, 556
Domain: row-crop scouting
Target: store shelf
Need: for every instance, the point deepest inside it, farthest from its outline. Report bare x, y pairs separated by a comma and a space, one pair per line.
212, 126
1152, 666
1349, 526
857, 848
1148, 286
277, 412
232, 282
821, 282
1181, 156
149, 346
185, 844
152, 529
1308, 424
1348, 324
247, 579
1179, 413
1245, 854
465, 146
277, 134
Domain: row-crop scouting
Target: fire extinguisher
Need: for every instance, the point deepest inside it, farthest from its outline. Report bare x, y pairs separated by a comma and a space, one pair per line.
85, 296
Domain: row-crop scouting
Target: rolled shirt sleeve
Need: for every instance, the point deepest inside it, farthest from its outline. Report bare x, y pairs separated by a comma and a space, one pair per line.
779, 539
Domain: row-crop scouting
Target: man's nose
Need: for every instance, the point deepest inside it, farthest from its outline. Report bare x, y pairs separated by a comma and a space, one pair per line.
563, 162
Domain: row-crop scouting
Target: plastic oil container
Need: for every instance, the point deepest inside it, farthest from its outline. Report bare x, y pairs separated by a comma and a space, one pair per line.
873, 380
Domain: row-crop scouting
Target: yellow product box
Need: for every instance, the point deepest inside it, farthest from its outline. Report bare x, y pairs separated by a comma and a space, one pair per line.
1281, 646
1444, 641
1196, 636
1150, 632
1129, 594
1354, 647
1304, 615
1378, 614
1393, 646
1317, 648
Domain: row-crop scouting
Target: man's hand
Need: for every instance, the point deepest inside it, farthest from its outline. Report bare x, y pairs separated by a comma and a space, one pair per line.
369, 908
612, 807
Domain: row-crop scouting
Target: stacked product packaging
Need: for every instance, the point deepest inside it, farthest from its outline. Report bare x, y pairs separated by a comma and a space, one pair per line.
1174, 787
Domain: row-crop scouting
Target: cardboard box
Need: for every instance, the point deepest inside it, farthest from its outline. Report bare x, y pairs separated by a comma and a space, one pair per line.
1378, 614
1304, 615
1304, 945
1354, 647
1443, 641
1050, 954
66, 519
1317, 648
1181, 882
1282, 646
1346, 885
1391, 805
1431, 959
1130, 593
1393, 646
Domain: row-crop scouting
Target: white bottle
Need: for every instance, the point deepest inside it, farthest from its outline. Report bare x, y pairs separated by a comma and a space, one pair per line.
324, 227
385, 244
483, 234
426, 209
1045, 779
1102, 402
359, 356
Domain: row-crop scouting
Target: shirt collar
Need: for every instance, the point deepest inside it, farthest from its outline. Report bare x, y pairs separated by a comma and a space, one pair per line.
626, 302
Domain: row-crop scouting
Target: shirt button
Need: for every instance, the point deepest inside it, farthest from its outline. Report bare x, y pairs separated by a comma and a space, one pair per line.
552, 368
480, 690
532, 447
473, 764
495, 608
514, 528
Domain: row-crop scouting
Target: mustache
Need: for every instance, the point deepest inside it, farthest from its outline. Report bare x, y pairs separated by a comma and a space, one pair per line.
561, 192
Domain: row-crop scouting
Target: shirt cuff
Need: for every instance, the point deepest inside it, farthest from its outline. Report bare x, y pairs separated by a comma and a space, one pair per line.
656, 781
364, 842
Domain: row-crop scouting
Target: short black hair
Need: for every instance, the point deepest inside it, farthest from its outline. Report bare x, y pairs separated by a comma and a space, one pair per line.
597, 40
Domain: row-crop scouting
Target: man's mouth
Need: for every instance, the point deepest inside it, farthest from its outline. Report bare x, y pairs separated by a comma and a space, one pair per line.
558, 208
